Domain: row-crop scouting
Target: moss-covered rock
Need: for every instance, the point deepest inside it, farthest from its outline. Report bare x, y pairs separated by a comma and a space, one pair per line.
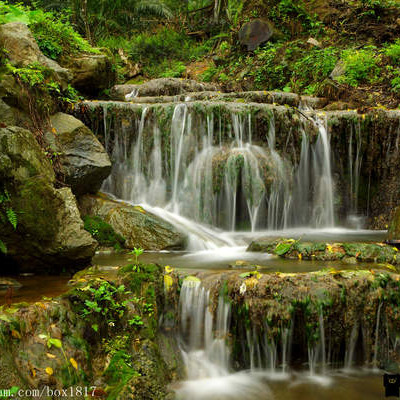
103, 232
22, 50
96, 335
320, 251
139, 227
46, 231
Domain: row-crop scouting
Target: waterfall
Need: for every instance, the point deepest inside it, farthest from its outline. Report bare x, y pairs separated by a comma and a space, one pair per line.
323, 214
206, 353
349, 356
317, 350
204, 164
376, 344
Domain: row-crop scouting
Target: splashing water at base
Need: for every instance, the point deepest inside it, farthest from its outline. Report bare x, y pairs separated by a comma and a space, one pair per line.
206, 354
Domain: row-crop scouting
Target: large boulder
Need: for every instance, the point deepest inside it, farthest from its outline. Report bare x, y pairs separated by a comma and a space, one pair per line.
139, 227
49, 234
84, 160
91, 73
255, 32
160, 87
22, 50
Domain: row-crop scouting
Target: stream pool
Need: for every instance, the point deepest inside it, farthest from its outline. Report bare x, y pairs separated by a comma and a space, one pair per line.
355, 384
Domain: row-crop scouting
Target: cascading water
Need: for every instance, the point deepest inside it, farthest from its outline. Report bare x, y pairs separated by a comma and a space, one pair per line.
206, 167
206, 353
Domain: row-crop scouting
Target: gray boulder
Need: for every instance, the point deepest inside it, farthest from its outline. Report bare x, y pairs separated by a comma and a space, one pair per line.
49, 233
83, 158
23, 50
160, 87
91, 73
139, 227
255, 32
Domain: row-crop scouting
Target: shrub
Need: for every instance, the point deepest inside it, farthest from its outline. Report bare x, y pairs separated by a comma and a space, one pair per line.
175, 71
361, 66
393, 52
314, 67
159, 52
55, 36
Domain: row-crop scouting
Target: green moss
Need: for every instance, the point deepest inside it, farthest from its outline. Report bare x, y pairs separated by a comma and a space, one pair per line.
103, 232
36, 206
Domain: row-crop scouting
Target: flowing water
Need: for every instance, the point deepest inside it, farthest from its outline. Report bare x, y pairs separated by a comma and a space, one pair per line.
205, 170
206, 167
205, 344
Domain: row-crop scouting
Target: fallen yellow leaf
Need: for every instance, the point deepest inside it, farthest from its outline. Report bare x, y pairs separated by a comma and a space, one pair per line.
74, 363
49, 355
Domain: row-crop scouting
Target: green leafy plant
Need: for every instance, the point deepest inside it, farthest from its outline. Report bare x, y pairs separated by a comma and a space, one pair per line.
7, 215
361, 66
54, 34
393, 52
137, 252
136, 321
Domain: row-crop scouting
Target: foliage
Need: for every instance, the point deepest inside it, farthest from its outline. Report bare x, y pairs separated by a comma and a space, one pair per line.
137, 252
393, 52
103, 232
175, 71
54, 35
314, 66
104, 299
119, 372
97, 19
162, 53
43, 87
7, 215
361, 66
287, 11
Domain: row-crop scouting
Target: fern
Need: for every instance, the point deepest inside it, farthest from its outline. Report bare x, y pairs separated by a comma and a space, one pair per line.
12, 217
3, 247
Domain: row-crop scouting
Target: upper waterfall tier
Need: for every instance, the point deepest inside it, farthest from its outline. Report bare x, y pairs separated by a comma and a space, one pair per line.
242, 166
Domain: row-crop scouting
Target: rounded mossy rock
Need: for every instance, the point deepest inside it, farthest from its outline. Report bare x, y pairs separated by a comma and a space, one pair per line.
48, 232
139, 227
103, 232
85, 163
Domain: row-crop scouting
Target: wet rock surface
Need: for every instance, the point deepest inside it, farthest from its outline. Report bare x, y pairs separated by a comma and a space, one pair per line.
394, 226
293, 315
139, 227
160, 87
357, 140
84, 160
348, 253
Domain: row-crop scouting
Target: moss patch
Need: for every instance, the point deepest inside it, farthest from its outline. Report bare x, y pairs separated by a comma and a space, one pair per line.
103, 232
